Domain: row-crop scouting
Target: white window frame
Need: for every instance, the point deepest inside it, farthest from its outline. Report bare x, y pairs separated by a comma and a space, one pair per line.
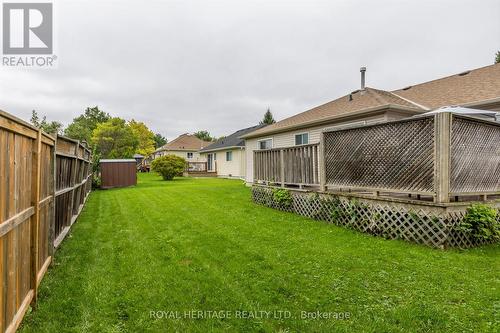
302, 144
266, 139
192, 155
230, 154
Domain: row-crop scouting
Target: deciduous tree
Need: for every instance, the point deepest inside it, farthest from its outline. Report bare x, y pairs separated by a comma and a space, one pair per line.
114, 139
160, 140
82, 126
204, 135
145, 137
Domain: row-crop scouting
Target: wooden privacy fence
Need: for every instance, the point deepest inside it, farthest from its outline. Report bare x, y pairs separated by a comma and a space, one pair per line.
73, 183
43, 185
438, 155
288, 166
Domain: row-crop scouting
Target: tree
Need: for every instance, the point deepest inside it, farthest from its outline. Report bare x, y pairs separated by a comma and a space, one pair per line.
35, 119
145, 137
204, 135
169, 166
114, 139
82, 126
497, 58
52, 127
160, 140
268, 118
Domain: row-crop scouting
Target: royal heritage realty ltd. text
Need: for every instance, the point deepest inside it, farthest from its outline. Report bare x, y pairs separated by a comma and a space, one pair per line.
242, 314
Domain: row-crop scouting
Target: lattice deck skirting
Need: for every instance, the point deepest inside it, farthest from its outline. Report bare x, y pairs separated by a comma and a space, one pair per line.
429, 225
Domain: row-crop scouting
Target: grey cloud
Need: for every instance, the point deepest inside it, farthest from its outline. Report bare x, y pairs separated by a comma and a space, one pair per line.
181, 66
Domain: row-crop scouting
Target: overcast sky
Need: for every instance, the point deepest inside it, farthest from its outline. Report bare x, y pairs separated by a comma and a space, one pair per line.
182, 66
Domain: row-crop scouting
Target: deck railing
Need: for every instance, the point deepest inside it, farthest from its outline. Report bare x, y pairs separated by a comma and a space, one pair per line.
287, 166
196, 167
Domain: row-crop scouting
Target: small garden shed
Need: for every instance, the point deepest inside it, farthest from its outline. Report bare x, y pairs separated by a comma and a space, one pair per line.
118, 173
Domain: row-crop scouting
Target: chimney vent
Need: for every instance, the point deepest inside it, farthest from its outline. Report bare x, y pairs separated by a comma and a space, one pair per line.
362, 70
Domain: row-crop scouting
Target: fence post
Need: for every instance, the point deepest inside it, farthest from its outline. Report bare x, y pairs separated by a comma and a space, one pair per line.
35, 219
321, 163
442, 157
52, 220
282, 168
74, 165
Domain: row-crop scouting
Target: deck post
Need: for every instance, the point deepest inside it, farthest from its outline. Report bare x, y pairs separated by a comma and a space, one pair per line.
321, 163
442, 142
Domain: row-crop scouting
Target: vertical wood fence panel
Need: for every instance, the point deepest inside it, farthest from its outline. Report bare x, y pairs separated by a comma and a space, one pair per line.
289, 166
73, 178
29, 178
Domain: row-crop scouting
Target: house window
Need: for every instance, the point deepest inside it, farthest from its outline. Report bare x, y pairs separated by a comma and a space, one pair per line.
229, 156
190, 155
215, 156
302, 139
266, 144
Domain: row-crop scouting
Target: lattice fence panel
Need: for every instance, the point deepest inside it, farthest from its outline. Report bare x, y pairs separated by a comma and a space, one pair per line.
458, 238
475, 156
392, 156
391, 222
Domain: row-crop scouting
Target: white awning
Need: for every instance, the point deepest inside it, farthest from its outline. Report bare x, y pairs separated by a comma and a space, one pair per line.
493, 115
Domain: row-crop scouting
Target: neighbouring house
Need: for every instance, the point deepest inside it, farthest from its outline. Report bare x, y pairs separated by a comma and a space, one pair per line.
138, 158
478, 89
186, 146
227, 155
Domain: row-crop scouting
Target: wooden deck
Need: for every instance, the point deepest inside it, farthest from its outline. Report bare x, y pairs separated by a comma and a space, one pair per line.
442, 158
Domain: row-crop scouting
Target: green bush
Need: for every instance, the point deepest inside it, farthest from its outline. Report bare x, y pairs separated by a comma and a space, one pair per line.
282, 197
169, 166
96, 181
480, 221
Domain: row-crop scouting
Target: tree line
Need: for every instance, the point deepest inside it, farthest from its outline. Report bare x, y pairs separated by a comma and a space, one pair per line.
110, 137
114, 137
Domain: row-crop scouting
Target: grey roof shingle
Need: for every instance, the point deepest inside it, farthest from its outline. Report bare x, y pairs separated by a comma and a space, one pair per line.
232, 140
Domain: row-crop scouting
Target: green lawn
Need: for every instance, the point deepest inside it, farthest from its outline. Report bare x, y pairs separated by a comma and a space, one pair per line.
202, 244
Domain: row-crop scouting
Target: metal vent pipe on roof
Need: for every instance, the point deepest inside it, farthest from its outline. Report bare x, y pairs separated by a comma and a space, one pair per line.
362, 70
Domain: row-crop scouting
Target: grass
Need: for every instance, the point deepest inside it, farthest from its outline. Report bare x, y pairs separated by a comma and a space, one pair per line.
201, 244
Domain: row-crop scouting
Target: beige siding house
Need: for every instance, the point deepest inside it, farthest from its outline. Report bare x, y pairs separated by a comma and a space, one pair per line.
479, 88
186, 146
227, 156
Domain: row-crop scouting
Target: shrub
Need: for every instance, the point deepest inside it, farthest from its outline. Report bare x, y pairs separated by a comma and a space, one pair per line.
282, 197
480, 221
96, 181
169, 166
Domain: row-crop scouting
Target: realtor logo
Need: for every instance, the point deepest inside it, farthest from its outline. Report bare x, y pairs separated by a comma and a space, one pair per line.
27, 29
